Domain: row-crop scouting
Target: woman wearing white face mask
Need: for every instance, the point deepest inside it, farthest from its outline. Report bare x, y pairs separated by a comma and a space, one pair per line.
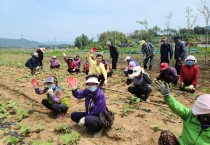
189, 74
95, 103
56, 101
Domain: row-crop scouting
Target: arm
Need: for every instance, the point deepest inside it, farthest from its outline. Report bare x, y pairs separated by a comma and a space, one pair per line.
40, 91
89, 58
171, 51
79, 94
104, 71
177, 107
65, 59
195, 76
58, 97
147, 78
183, 51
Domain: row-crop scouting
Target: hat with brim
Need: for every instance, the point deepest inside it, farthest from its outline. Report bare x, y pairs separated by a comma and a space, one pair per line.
131, 65
42, 49
92, 80
202, 105
191, 58
163, 66
136, 71
50, 80
54, 57
142, 42
127, 58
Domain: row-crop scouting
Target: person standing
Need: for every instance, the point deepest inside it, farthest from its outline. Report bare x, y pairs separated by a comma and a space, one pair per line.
180, 53
148, 53
40, 52
114, 55
166, 50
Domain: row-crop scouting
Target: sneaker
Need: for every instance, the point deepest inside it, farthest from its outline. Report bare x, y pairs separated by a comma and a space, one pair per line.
98, 134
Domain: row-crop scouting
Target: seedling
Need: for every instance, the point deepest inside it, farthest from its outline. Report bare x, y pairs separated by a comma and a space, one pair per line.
39, 127
12, 140
22, 114
70, 138
39, 142
24, 129
64, 129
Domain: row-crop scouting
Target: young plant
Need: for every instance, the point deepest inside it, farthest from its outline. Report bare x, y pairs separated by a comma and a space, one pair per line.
70, 138
39, 127
39, 142
64, 129
22, 114
12, 140
24, 129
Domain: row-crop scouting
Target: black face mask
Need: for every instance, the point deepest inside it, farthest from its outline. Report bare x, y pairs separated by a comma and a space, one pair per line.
204, 120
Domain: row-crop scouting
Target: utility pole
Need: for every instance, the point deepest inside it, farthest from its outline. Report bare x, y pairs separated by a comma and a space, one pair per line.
22, 41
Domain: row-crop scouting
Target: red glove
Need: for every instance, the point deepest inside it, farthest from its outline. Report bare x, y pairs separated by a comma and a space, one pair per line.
94, 49
35, 83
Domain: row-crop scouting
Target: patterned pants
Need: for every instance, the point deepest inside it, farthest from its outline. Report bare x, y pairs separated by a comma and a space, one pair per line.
167, 138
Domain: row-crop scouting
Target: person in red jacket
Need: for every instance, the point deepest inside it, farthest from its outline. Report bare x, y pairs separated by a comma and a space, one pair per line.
72, 66
189, 74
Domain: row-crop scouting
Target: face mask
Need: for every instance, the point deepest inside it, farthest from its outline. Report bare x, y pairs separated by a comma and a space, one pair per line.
92, 88
190, 63
51, 86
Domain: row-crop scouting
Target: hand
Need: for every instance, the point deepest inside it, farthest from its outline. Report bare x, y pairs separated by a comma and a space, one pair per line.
182, 84
162, 88
191, 87
81, 121
35, 83
64, 54
94, 49
72, 82
50, 91
105, 82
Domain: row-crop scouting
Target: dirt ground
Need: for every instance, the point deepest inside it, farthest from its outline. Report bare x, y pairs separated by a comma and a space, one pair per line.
135, 124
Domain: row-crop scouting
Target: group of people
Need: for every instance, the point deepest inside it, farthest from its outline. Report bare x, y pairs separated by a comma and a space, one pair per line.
196, 128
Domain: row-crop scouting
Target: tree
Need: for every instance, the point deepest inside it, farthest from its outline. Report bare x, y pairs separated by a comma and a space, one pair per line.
168, 22
191, 19
82, 40
199, 30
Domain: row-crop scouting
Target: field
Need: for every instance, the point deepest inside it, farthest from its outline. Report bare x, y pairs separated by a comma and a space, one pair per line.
24, 119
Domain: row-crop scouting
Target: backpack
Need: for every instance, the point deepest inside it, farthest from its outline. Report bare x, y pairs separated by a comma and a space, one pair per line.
106, 118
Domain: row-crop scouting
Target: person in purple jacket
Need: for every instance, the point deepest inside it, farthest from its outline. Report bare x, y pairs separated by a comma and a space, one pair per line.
54, 63
168, 74
95, 103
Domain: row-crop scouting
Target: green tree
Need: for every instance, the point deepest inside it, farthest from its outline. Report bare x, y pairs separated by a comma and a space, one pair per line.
82, 41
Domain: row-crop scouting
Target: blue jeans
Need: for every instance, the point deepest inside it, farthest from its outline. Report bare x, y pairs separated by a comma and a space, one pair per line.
151, 62
91, 122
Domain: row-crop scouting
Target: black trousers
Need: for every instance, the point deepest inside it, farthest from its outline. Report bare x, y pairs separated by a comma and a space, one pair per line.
141, 92
72, 70
91, 122
56, 108
178, 66
53, 67
114, 62
101, 79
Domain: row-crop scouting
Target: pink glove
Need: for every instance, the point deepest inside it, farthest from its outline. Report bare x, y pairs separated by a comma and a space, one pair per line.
35, 83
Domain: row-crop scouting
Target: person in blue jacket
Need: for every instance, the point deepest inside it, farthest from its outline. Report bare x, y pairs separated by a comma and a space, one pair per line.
95, 103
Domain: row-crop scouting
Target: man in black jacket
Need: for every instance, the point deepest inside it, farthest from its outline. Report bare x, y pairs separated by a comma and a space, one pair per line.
166, 50
113, 54
40, 52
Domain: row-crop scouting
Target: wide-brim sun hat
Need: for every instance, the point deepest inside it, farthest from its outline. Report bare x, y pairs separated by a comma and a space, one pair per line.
142, 42
131, 65
42, 49
163, 66
191, 57
202, 105
92, 80
127, 58
50, 80
54, 57
108, 43
136, 71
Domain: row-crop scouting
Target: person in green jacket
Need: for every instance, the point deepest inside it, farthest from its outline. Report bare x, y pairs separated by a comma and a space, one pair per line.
196, 121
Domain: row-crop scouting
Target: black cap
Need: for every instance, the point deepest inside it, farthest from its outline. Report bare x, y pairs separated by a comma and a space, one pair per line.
177, 37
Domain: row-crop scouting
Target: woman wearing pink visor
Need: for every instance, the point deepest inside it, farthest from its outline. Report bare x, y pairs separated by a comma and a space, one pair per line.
196, 121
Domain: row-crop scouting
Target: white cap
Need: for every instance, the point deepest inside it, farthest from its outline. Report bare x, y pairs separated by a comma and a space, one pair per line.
127, 58
136, 71
202, 105
54, 56
142, 42
108, 43
191, 57
92, 80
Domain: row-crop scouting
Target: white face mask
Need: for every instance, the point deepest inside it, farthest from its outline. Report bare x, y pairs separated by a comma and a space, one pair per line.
51, 86
92, 88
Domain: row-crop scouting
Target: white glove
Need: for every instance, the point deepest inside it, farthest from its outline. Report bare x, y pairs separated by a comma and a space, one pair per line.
162, 88
73, 69
50, 91
64, 54
82, 122
191, 87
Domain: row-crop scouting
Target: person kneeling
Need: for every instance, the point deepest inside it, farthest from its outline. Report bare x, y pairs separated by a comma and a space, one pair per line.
189, 75
95, 103
142, 83
56, 101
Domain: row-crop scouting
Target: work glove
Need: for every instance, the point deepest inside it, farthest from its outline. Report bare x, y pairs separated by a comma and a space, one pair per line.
191, 87
162, 88
82, 121
50, 91
35, 83
72, 82
64, 54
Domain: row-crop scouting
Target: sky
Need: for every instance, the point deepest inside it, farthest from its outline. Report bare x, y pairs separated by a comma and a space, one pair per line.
64, 20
